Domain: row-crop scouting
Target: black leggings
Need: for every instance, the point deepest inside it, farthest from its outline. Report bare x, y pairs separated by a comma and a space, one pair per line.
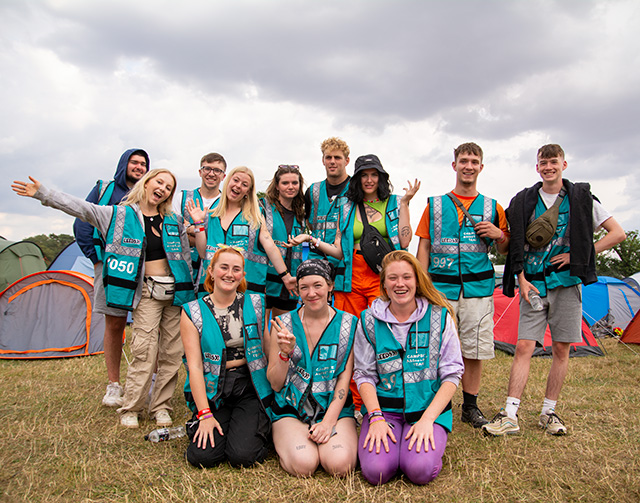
246, 428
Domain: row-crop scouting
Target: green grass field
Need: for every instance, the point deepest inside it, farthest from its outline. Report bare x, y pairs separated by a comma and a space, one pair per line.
59, 444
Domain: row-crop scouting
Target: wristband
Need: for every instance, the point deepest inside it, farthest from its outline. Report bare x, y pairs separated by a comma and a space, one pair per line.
502, 238
283, 356
376, 419
196, 223
199, 229
283, 274
203, 412
206, 416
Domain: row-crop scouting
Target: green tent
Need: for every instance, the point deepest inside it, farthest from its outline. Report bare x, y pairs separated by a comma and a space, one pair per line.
18, 260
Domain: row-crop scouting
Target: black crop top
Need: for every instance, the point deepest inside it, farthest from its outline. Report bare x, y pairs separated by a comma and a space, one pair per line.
155, 248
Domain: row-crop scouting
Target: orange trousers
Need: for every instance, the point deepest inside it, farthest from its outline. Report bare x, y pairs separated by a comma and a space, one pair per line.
365, 287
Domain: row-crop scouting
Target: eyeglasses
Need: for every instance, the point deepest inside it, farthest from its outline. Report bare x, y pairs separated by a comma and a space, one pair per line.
208, 169
141, 163
291, 167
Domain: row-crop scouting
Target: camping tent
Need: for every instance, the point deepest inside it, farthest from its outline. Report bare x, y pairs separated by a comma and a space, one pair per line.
611, 298
48, 315
631, 334
72, 259
505, 332
17, 259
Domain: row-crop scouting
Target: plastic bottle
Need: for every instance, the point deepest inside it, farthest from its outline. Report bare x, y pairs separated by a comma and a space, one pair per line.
162, 434
535, 301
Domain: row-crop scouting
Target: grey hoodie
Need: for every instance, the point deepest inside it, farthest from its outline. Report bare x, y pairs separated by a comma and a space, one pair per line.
450, 367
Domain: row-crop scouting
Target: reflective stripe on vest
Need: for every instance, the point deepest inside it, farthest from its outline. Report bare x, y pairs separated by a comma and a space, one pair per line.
459, 258
239, 235
214, 350
278, 230
318, 376
324, 219
408, 379
538, 268
347, 219
124, 255
105, 191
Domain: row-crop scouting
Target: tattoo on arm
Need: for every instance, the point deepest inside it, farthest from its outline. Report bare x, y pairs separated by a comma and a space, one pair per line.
341, 394
405, 231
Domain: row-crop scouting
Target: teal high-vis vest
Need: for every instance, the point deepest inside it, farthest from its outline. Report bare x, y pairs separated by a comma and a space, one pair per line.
409, 377
459, 259
105, 190
315, 374
347, 219
537, 266
214, 350
324, 220
124, 255
278, 230
191, 195
239, 235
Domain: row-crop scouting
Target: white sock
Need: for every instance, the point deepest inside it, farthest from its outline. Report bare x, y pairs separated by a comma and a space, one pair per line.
548, 406
511, 408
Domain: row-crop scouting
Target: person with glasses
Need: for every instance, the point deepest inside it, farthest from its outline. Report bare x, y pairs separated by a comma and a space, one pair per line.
132, 166
212, 171
283, 210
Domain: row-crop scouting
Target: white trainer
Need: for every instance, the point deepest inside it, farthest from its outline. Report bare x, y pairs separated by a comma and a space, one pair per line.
113, 397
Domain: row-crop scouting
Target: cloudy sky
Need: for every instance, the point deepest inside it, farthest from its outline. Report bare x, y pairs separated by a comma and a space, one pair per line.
264, 82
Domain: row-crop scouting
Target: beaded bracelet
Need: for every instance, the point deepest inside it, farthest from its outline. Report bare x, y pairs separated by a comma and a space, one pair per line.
203, 412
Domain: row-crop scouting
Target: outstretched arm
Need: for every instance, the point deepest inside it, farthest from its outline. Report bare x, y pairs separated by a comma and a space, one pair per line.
98, 216
404, 218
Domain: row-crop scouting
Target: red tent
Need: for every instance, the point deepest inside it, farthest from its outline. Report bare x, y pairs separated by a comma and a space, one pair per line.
631, 334
505, 332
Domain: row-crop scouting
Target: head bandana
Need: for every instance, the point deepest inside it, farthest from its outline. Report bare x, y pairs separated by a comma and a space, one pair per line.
315, 267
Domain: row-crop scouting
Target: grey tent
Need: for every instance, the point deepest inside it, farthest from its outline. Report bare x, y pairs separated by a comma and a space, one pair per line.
48, 315
18, 259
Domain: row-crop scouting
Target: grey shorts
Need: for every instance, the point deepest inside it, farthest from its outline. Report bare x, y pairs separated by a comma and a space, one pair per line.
561, 310
99, 298
475, 326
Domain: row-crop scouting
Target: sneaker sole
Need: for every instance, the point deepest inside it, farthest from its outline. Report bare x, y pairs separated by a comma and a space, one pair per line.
164, 424
112, 402
131, 426
501, 434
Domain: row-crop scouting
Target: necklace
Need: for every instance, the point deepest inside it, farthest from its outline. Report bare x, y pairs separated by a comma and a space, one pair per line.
376, 200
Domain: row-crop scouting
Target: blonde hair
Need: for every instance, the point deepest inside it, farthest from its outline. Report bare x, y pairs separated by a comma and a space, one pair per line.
335, 143
424, 285
250, 208
138, 194
208, 281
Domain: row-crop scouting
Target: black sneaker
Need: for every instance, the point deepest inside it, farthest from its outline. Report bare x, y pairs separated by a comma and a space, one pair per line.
473, 416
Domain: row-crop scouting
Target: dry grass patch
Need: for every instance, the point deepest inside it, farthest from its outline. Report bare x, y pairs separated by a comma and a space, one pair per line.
60, 444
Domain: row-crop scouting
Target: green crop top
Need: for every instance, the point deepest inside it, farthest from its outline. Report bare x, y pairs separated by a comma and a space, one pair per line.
380, 206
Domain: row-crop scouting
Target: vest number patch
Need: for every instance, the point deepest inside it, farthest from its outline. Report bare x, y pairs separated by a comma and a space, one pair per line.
122, 266
442, 262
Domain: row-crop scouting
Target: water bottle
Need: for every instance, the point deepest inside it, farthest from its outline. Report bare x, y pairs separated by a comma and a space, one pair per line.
535, 301
163, 434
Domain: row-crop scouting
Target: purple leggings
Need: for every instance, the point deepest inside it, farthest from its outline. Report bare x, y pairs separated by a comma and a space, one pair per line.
420, 468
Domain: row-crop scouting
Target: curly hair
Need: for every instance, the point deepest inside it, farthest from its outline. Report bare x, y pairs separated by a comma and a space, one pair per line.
335, 143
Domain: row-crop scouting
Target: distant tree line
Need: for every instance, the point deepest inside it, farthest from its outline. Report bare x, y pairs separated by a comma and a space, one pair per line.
621, 261
51, 245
